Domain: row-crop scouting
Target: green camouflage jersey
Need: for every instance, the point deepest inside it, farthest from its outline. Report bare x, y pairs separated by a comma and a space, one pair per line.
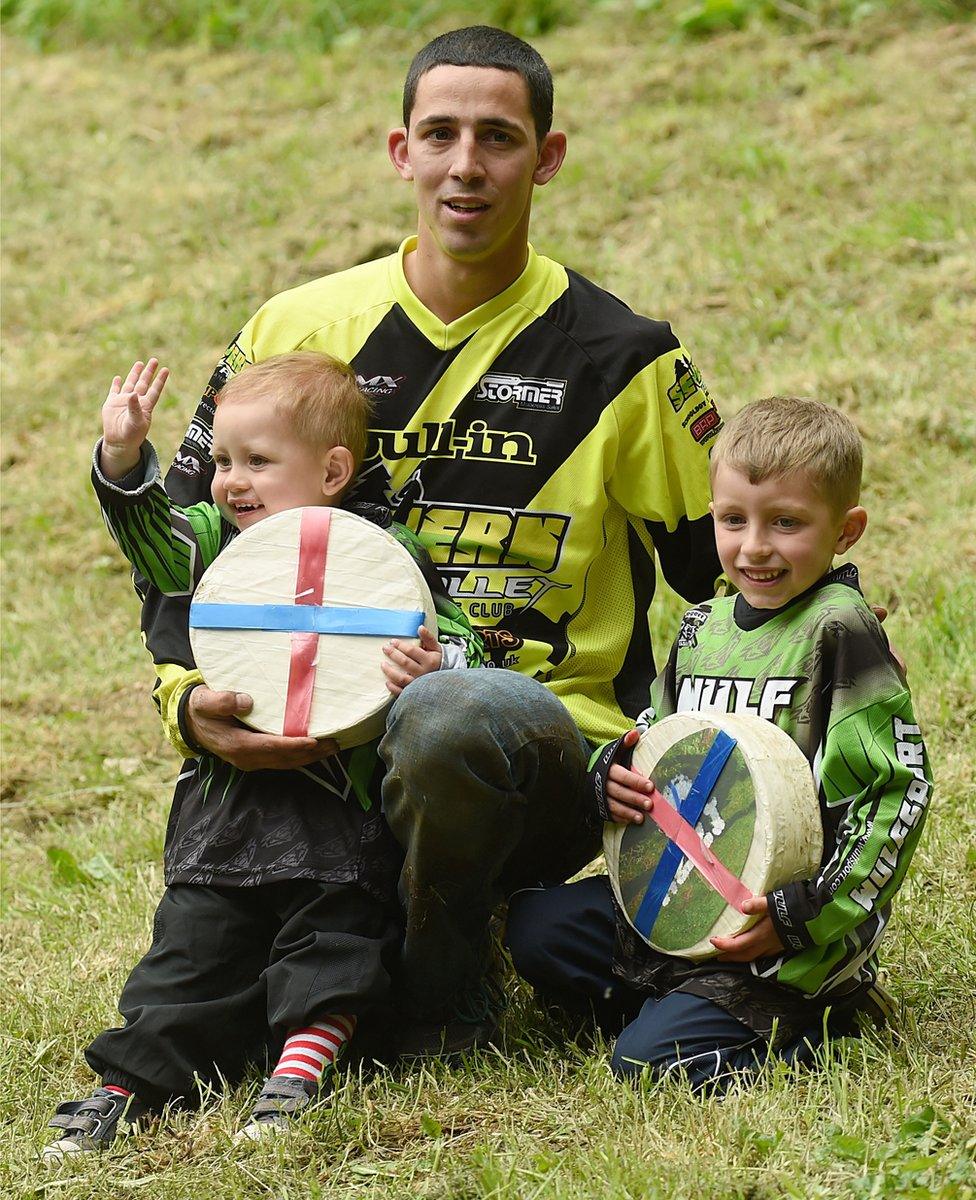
233, 828
819, 668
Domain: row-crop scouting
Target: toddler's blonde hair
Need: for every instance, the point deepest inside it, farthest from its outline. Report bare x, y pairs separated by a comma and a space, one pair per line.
317, 393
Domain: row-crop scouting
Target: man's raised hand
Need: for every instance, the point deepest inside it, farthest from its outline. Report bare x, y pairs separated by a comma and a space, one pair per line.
127, 415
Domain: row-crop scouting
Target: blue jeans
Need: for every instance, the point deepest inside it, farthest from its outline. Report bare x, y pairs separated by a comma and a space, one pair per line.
484, 790
562, 941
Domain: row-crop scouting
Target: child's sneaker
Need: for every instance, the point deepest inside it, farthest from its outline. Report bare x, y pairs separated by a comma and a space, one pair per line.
282, 1099
92, 1124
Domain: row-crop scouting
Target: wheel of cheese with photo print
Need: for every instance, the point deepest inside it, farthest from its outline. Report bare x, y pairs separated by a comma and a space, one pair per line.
748, 791
296, 611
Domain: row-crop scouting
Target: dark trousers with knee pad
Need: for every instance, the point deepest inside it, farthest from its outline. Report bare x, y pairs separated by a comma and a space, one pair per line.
231, 971
562, 941
484, 791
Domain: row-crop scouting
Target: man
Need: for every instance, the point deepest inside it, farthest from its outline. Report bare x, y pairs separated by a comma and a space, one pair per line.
543, 441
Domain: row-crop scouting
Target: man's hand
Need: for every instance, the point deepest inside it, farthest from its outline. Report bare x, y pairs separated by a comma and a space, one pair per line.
407, 663
881, 613
757, 942
127, 415
628, 794
212, 723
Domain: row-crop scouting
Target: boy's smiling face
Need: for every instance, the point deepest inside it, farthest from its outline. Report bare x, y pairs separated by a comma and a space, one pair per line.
261, 466
777, 537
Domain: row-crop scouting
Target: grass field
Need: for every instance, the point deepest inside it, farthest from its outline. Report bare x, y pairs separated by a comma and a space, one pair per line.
801, 203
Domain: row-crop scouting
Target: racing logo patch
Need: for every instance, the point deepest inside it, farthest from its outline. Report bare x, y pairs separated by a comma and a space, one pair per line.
380, 385
187, 464
687, 384
537, 395
501, 639
691, 622
706, 425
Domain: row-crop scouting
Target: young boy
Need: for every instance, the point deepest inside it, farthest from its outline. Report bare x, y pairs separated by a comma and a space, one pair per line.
786, 477
279, 920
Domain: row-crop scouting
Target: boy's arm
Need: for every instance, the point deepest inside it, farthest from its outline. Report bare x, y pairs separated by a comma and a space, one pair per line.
616, 792
875, 765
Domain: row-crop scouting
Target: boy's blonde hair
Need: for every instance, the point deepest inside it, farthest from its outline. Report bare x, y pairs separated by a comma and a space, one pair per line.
318, 393
783, 435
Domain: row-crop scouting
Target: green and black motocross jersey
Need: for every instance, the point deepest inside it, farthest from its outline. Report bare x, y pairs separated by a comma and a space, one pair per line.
819, 668
542, 447
232, 828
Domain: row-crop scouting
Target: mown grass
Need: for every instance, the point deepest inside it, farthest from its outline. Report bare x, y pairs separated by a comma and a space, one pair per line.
802, 208
322, 24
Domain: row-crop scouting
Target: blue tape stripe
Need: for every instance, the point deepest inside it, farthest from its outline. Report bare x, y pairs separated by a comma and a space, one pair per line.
307, 618
691, 809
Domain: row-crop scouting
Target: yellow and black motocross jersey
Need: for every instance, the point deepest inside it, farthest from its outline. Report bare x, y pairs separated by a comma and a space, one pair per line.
543, 446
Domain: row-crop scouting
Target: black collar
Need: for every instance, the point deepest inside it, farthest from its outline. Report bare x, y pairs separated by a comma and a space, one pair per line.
747, 617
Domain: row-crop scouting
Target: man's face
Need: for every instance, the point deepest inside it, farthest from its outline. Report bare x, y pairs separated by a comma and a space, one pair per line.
472, 154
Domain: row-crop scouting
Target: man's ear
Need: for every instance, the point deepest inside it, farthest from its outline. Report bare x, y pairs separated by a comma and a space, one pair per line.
396, 146
855, 522
551, 155
337, 471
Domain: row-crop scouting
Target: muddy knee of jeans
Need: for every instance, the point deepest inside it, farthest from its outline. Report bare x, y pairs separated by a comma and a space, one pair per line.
439, 704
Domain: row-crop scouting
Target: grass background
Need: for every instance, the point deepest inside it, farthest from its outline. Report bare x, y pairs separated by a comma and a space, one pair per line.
796, 194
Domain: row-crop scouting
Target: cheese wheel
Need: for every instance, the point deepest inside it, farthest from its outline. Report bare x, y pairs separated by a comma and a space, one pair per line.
760, 817
369, 580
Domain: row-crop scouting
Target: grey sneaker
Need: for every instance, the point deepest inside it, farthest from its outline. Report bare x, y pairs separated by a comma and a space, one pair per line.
92, 1124
282, 1099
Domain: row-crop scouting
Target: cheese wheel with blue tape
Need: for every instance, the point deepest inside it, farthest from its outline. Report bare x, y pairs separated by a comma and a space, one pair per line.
366, 570
761, 819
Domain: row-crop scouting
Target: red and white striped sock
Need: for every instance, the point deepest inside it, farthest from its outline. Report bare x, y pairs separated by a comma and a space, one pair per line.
309, 1052
114, 1087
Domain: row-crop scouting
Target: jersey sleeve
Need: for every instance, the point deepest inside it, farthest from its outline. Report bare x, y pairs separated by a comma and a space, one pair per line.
462, 646
165, 618
169, 546
666, 423
874, 773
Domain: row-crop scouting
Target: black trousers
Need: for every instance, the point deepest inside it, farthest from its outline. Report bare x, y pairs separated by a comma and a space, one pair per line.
231, 971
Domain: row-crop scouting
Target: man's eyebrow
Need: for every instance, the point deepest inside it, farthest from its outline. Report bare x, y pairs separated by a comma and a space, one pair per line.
496, 122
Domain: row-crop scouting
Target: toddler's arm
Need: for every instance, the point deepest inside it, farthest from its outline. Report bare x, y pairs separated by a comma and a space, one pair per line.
405, 663
127, 415
457, 644
168, 545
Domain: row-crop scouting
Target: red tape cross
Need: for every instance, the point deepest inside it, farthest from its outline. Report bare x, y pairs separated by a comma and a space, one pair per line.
715, 873
313, 549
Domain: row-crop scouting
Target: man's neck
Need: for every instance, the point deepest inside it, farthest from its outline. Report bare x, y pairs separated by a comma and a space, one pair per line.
451, 289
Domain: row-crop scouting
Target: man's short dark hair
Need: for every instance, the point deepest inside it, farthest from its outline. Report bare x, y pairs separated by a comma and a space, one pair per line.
485, 46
